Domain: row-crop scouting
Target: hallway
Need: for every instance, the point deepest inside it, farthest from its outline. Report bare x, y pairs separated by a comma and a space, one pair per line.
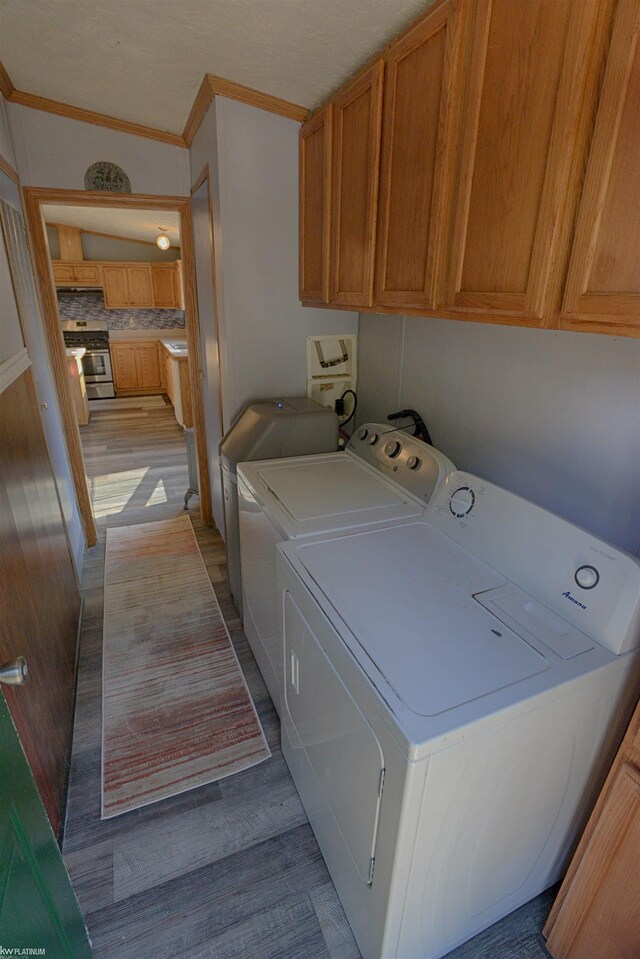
230, 870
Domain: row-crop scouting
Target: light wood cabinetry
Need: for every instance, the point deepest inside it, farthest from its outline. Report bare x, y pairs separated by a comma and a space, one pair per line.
596, 912
177, 385
516, 153
165, 286
315, 206
127, 286
357, 116
493, 110
85, 274
136, 367
416, 144
602, 292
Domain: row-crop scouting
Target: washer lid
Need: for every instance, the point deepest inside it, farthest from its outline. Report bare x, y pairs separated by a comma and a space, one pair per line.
406, 595
328, 492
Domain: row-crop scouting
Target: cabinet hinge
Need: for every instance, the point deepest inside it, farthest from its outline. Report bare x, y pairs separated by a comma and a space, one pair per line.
372, 864
381, 782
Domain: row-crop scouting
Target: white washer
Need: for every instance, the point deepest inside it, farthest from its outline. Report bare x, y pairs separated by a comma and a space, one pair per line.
384, 476
454, 690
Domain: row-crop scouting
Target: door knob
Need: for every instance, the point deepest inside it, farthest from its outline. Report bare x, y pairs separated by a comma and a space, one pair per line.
14, 673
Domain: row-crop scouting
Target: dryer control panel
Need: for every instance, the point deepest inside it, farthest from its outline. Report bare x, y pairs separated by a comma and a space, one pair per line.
588, 582
414, 465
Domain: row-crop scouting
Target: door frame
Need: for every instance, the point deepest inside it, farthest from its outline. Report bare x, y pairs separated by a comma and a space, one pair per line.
34, 199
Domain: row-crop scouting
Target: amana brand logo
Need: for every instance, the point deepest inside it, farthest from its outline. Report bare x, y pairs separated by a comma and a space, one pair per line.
568, 596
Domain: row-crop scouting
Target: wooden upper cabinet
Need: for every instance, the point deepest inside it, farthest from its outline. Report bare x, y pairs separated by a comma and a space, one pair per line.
420, 69
116, 290
602, 292
315, 206
528, 64
165, 286
139, 286
357, 116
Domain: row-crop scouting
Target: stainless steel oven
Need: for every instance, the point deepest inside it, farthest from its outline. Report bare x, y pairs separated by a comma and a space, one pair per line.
96, 363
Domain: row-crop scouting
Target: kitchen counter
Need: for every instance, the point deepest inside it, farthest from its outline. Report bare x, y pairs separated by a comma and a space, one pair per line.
175, 347
174, 334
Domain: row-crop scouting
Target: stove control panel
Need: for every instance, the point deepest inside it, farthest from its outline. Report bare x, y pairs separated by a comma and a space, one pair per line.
413, 464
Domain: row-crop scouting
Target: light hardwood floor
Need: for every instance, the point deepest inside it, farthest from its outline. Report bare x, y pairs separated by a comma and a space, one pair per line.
230, 870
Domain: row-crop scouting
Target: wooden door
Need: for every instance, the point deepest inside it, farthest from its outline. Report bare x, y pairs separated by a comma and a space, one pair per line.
602, 292
415, 166
522, 112
125, 374
38, 908
139, 286
116, 293
357, 118
148, 366
315, 206
38, 594
596, 912
164, 282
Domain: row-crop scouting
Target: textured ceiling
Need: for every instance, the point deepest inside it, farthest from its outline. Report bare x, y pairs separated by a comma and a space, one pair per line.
143, 60
134, 224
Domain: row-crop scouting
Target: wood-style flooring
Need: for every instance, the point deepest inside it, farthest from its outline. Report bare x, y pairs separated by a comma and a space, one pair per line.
230, 870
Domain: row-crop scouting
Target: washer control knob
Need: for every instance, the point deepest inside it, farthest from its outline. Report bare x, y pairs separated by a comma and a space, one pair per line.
413, 462
373, 439
587, 577
462, 501
392, 448
363, 432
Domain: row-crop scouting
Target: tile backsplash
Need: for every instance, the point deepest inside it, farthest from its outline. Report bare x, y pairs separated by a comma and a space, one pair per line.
90, 306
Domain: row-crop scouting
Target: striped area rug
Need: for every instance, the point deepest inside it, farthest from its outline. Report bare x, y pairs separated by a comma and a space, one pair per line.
176, 710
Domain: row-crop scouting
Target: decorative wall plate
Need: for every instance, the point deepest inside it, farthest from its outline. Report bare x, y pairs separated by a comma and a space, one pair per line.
107, 177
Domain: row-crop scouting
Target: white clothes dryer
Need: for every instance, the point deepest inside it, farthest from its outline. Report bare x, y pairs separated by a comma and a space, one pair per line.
454, 691
384, 476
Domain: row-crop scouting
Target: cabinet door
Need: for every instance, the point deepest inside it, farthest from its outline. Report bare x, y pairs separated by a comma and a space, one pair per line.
115, 286
63, 273
600, 915
164, 283
523, 103
88, 274
357, 116
123, 360
420, 69
139, 286
602, 292
148, 366
315, 206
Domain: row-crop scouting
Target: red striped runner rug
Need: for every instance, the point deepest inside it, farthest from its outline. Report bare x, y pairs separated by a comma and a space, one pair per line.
176, 710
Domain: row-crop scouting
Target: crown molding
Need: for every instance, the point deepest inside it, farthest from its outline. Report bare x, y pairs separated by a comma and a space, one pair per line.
91, 116
212, 86
6, 86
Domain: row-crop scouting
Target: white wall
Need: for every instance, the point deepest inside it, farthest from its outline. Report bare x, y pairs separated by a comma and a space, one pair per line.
53, 151
253, 158
553, 416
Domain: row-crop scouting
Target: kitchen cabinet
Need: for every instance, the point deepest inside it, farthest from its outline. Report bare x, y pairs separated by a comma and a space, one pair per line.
68, 274
602, 292
127, 286
165, 286
315, 206
596, 912
420, 82
357, 118
516, 154
136, 367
